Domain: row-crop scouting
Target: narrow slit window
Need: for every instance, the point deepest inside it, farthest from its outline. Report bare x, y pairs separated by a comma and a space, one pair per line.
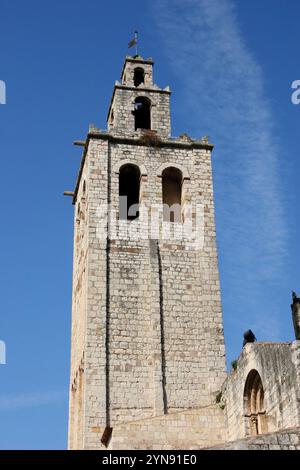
112, 118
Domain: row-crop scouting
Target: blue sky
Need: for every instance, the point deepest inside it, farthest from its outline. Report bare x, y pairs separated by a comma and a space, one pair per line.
230, 65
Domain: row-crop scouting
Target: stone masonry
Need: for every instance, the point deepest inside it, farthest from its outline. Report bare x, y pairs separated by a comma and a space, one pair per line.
147, 349
147, 334
278, 365
288, 439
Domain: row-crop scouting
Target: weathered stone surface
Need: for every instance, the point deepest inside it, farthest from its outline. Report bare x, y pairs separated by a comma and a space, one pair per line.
191, 429
147, 323
148, 357
265, 442
278, 366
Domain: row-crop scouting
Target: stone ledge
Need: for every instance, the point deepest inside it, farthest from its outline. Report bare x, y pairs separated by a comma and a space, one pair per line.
180, 142
286, 439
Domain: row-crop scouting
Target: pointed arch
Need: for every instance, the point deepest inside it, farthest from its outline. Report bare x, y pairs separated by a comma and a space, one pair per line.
254, 404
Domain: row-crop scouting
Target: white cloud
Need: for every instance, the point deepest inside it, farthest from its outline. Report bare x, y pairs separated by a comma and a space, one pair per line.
222, 90
29, 400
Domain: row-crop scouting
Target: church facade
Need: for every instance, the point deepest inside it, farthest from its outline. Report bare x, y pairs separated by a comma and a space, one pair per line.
147, 350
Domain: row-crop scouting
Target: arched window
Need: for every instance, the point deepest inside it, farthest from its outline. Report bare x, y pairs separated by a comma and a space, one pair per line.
139, 76
129, 192
171, 190
254, 404
142, 113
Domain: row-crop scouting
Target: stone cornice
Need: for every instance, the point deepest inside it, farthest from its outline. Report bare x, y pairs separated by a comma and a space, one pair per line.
96, 134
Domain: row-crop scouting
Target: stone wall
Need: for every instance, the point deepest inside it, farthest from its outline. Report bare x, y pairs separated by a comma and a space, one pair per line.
189, 300
191, 429
140, 292
147, 333
288, 439
278, 367
118, 328
148, 356
123, 100
79, 311
121, 111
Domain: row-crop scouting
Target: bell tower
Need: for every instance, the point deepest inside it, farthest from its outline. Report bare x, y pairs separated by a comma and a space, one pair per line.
137, 103
147, 334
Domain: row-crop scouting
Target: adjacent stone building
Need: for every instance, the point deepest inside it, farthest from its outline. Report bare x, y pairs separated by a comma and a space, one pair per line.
147, 357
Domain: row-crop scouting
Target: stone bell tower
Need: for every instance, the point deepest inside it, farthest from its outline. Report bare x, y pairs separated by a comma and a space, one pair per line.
147, 334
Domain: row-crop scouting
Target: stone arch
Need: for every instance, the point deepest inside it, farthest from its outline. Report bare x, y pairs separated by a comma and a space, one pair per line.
185, 174
254, 404
142, 113
172, 179
138, 76
184, 198
129, 191
118, 166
